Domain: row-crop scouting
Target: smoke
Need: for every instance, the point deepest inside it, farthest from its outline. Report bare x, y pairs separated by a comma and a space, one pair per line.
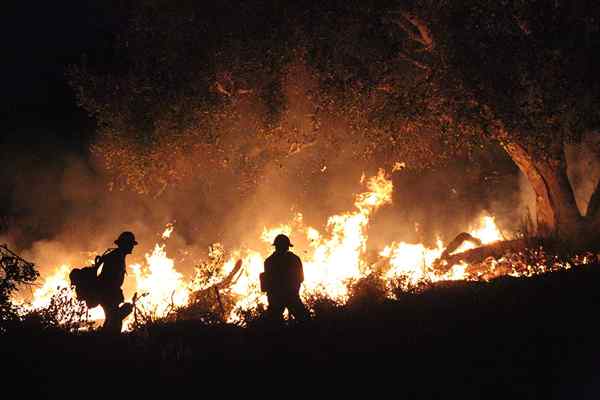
441, 203
71, 212
583, 168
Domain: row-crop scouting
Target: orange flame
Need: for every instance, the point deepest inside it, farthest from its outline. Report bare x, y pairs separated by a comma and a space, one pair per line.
330, 259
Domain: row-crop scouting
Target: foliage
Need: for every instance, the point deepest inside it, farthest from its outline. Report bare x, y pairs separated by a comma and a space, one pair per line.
211, 305
403, 285
232, 89
212, 299
14, 272
181, 69
521, 73
63, 312
250, 317
366, 292
542, 87
322, 306
210, 272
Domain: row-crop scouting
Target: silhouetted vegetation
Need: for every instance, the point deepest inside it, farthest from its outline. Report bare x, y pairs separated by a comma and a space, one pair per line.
14, 272
530, 337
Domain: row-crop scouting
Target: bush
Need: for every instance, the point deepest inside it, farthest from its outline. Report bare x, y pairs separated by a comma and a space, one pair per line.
366, 292
14, 272
64, 313
322, 306
402, 285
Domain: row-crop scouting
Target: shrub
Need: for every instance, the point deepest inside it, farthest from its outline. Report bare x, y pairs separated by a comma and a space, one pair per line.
367, 291
64, 312
14, 272
321, 305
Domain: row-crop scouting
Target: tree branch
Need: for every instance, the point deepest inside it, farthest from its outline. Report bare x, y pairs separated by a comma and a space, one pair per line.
414, 62
425, 37
408, 29
416, 29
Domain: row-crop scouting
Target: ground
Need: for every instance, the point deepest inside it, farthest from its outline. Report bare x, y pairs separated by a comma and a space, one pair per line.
523, 337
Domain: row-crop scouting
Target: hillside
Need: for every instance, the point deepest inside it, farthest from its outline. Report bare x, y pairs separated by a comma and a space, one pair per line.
530, 337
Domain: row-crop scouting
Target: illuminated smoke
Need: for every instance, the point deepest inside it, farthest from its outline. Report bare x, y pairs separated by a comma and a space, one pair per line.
331, 259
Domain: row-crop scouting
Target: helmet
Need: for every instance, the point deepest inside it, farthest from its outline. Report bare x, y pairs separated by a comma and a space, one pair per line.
126, 238
282, 240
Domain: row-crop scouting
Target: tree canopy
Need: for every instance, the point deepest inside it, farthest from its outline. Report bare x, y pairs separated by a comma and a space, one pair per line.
234, 87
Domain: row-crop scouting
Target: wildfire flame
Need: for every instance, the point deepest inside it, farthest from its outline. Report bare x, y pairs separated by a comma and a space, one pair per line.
164, 286
331, 258
53, 284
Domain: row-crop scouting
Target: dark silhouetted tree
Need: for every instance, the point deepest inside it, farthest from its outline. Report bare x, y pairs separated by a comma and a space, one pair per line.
14, 272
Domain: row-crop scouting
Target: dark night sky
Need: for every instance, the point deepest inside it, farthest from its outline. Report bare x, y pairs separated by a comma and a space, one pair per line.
41, 126
41, 39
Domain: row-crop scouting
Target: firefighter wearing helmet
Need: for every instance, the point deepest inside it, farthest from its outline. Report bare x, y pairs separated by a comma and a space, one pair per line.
282, 279
110, 281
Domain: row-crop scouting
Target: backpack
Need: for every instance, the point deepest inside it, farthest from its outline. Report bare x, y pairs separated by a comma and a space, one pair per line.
86, 283
264, 282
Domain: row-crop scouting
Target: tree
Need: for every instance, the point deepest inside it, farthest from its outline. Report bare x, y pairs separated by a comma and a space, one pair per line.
235, 88
192, 89
420, 81
521, 73
14, 271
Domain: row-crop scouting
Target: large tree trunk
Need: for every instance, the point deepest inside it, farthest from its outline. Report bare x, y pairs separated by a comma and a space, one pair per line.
594, 204
592, 214
556, 209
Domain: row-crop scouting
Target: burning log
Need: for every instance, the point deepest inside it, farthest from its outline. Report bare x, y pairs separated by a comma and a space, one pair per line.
458, 241
230, 279
206, 299
479, 254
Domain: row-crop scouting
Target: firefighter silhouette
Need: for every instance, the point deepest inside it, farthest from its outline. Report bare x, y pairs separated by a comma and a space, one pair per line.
282, 279
110, 281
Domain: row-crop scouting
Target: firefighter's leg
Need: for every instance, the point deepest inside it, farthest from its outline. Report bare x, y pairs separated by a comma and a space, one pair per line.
112, 322
125, 309
297, 308
275, 309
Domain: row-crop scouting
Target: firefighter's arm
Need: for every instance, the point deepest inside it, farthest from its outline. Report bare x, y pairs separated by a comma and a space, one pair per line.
300, 271
264, 278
